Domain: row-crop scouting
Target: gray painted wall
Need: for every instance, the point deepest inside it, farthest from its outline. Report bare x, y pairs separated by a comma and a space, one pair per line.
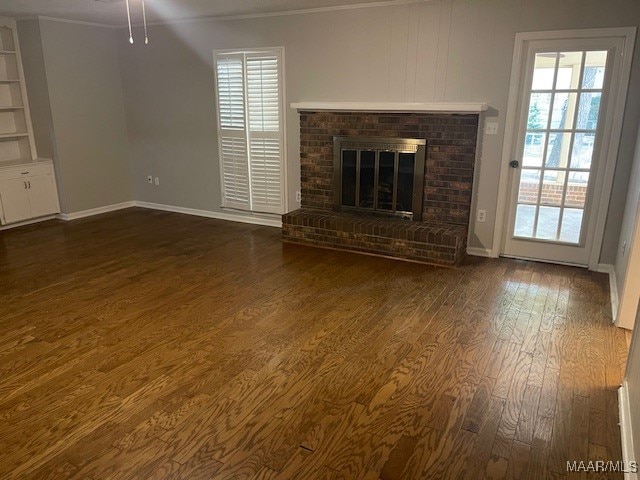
76, 70
444, 50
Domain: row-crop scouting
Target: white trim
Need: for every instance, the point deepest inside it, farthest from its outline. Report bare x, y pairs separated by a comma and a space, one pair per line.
479, 252
613, 287
285, 13
27, 222
249, 218
255, 219
626, 431
95, 211
211, 18
502, 208
398, 107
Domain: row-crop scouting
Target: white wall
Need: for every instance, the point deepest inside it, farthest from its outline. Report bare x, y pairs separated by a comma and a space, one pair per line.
627, 266
453, 50
630, 418
76, 70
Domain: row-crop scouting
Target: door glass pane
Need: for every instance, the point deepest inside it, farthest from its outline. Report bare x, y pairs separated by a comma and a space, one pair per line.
525, 217
529, 186
571, 225
588, 111
577, 189
558, 150
564, 107
543, 71
558, 144
385, 181
367, 178
552, 187
349, 177
569, 66
539, 106
404, 197
594, 67
548, 223
582, 151
533, 149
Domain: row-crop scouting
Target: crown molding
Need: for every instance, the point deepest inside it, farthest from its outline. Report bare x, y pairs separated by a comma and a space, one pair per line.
286, 13
67, 20
216, 18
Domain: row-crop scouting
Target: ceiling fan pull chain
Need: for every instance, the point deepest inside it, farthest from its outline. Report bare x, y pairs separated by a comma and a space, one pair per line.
144, 21
129, 22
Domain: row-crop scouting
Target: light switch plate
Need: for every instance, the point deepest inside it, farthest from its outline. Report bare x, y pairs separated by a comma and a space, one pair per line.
491, 128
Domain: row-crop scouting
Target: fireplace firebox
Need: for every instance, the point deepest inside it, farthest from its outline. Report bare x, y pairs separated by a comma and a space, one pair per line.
382, 176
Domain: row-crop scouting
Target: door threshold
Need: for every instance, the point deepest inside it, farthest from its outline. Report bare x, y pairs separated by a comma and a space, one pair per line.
540, 260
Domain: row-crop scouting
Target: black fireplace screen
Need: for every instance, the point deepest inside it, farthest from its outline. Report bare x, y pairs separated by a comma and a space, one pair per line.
384, 175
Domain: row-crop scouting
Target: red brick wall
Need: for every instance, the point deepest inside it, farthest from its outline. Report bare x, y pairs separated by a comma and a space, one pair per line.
576, 194
451, 148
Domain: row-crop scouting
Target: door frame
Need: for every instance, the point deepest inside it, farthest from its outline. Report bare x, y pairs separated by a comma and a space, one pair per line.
618, 96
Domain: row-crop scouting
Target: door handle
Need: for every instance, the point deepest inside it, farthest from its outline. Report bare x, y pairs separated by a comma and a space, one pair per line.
514, 163
25, 185
29, 182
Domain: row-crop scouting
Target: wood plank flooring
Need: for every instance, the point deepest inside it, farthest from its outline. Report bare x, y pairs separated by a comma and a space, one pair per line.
150, 345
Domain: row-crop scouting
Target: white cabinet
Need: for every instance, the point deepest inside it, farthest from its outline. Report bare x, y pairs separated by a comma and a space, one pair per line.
27, 191
27, 183
15, 201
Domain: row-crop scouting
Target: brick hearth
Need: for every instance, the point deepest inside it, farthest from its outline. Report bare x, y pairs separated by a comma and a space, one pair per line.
440, 236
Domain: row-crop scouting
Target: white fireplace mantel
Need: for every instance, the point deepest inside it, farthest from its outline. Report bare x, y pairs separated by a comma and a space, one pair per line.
392, 107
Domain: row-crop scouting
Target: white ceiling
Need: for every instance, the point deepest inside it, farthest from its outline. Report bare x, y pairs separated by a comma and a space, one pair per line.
113, 12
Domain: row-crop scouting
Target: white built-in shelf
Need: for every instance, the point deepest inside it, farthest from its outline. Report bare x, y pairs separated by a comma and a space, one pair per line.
393, 107
9, 80
7, 52
11, 107
13, 135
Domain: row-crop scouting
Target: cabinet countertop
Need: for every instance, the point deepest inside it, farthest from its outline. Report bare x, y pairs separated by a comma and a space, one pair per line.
24, 162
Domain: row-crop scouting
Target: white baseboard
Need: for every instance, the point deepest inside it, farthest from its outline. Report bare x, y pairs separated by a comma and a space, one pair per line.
27, 222
626, 430
479, 252
613, 287
248, 218
95, 211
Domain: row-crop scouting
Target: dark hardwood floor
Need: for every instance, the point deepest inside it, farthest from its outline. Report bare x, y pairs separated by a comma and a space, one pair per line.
150, 345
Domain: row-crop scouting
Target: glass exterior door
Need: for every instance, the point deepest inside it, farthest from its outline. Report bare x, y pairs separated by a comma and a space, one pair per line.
562, 112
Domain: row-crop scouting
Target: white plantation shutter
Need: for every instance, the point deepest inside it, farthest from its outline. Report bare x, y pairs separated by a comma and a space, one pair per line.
265, 136
263, 93
235, 172
234, 161
249, 93
230, 76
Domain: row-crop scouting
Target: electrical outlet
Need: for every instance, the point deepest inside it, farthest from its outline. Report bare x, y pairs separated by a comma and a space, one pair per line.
157, 181
298, 196
491, 128
149, 179
481, 216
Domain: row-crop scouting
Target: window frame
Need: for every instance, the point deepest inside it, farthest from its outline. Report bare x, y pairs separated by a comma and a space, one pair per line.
280, 51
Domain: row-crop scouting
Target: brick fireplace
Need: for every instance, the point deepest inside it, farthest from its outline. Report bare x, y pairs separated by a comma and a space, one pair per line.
438, 235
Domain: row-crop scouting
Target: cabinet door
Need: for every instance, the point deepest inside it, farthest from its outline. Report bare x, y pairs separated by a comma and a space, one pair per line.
15, 200
42, 195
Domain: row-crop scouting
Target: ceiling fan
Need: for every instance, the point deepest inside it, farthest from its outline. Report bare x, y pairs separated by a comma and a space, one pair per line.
144, 18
